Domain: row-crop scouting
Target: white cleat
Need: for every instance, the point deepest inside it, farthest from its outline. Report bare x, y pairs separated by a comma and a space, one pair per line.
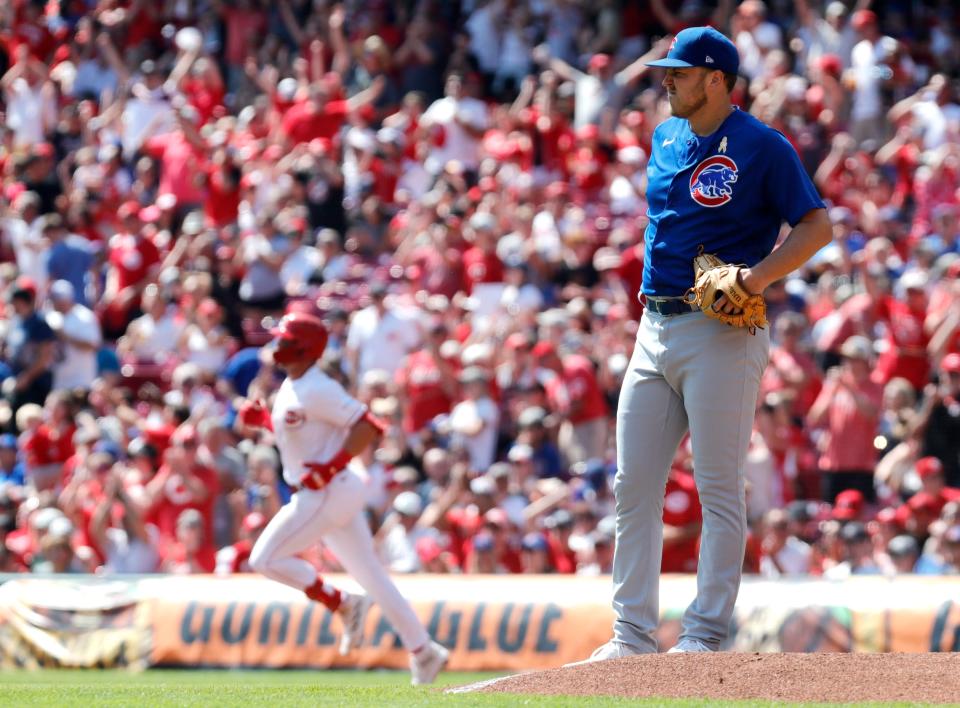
427, 663
689, 645
353, 614
611, 650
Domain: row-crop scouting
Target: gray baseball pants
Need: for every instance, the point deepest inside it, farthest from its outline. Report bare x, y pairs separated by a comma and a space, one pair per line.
687, 372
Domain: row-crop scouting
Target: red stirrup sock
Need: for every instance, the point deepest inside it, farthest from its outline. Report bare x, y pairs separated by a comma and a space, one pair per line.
328, 595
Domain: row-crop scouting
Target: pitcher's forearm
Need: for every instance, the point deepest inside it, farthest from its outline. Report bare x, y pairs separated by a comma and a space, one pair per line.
807, 237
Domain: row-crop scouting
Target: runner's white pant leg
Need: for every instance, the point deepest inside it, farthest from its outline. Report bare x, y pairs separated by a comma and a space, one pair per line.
353, 546
300, 524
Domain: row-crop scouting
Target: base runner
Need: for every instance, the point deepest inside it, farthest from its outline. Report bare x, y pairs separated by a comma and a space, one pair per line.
319, 428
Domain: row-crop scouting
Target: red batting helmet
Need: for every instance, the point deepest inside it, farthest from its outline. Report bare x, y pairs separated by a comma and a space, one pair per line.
300, 338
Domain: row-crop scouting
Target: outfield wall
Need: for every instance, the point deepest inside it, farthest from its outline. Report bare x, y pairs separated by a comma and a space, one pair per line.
490, 622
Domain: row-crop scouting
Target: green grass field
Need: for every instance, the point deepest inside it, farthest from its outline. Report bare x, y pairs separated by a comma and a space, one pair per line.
160, 688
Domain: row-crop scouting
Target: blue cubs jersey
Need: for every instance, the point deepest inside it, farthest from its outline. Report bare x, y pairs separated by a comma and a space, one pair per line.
729, 191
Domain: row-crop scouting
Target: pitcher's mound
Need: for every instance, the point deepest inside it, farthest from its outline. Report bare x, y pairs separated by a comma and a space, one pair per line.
835, 678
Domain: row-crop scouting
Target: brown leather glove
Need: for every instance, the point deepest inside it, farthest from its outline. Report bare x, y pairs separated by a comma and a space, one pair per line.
712, 278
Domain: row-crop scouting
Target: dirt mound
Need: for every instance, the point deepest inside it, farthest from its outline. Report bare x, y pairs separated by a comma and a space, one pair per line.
836, 678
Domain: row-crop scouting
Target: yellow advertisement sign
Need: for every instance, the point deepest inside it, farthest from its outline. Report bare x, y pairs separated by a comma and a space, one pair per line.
489, 622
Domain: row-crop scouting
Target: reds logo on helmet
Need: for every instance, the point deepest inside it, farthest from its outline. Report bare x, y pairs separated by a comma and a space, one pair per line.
711, 184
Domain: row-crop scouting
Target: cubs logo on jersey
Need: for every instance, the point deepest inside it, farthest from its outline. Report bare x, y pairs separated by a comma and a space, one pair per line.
711, 184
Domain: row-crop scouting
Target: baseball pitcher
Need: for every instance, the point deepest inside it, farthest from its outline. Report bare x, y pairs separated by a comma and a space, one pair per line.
720, 184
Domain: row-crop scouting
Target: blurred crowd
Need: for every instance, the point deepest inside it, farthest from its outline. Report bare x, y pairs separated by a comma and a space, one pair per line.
458, 189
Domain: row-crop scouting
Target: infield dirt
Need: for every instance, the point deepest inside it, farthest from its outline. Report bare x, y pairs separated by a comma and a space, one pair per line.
824, 677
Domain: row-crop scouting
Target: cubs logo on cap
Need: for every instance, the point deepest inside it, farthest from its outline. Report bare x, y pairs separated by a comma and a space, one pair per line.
701, 46
711, 184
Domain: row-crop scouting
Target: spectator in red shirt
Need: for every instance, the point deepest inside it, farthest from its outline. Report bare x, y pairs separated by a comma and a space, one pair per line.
222, 186
481, 264
682, 519
553, 136
245, 23
29, 29
34, 520
203, 87
191, 553
792, 370
933, 480
386, 167
133, 262
586, 164
433, 557
848, 411
849, 506
427, 382
51, 444
574, 391
559, 526
858, 315
253, 124
906, 352
439, 261
86, 491
181, 483
315, 118
503, 553
903, 153
918, 513
143, 21
182, 154
629, 268
320, 116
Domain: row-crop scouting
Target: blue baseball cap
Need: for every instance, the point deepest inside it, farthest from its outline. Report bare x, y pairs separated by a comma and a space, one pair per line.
701, 46
534, 542
8, 441
483, 541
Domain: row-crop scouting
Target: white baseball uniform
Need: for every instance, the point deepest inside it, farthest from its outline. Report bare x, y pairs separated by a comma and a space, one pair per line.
312, 416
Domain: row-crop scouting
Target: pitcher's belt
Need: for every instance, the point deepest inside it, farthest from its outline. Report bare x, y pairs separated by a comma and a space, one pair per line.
668, 306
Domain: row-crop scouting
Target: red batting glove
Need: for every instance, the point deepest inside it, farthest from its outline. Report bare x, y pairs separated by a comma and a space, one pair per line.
319, 473
254, 414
